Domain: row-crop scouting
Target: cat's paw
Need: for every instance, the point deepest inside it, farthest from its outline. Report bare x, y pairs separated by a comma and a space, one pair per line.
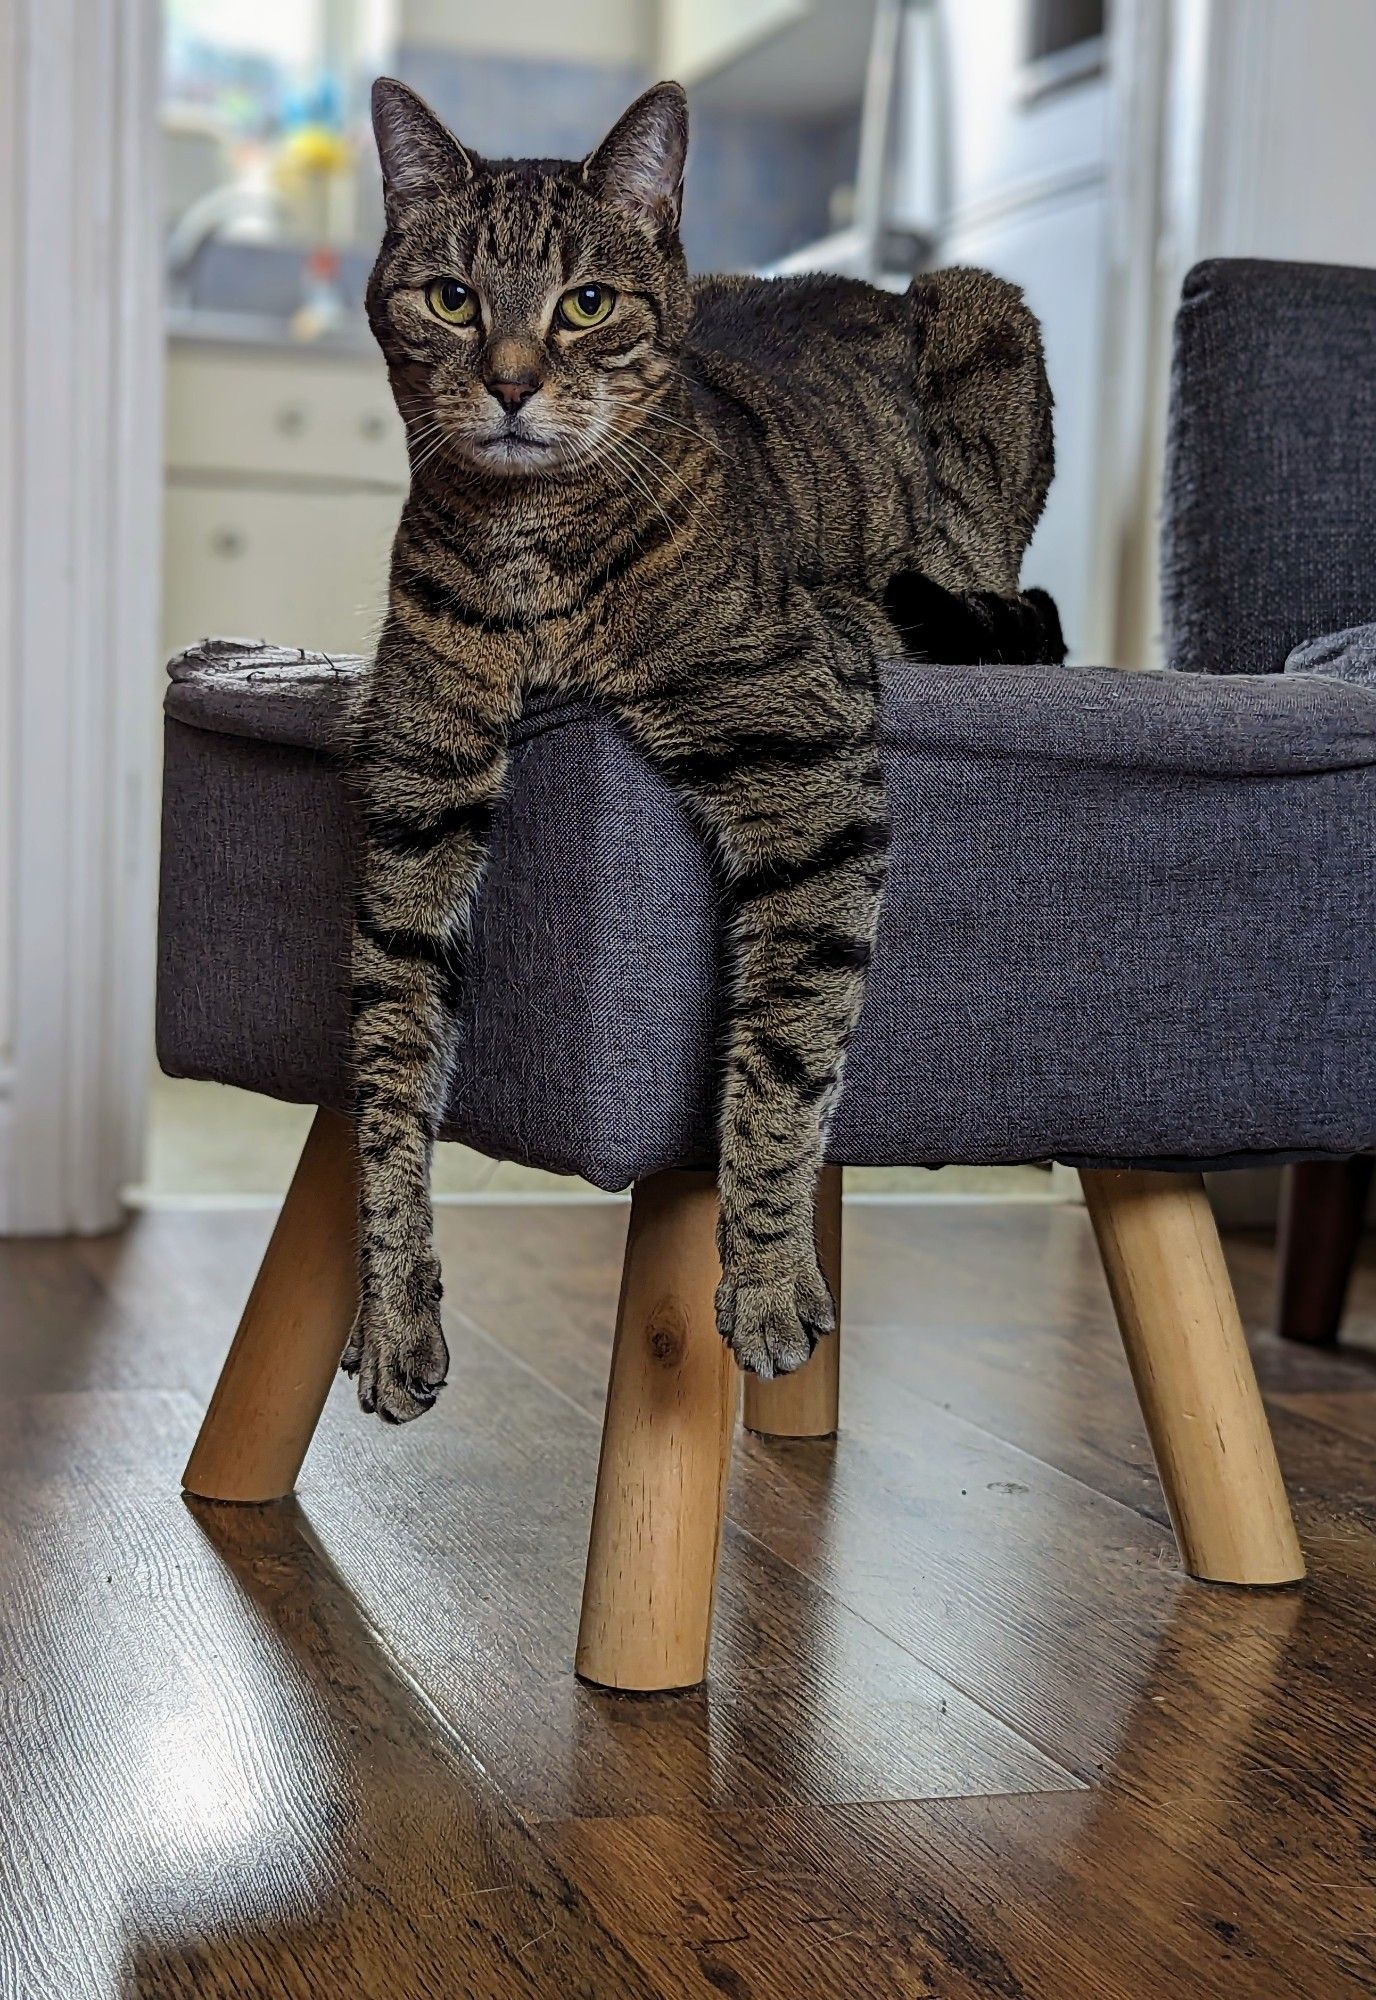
397, 1350
772, 1324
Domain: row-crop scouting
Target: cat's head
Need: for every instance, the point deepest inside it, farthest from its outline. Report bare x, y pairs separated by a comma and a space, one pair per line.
531, 311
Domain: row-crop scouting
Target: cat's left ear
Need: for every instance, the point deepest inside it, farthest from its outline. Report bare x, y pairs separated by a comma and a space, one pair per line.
639, 165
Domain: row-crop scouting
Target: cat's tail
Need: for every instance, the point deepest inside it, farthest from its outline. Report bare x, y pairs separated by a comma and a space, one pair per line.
976, 627
982, 379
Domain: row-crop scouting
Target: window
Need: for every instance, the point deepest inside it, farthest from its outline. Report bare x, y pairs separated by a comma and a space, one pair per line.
1056, 25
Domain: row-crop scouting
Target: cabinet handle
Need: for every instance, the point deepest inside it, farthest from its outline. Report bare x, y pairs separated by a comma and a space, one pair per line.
227, 542
291, 420
373, 425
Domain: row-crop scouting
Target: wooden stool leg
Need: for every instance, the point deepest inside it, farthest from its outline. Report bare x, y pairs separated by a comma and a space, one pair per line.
1322, 1210
1194, 1376
278, 1372
805, 1404
666, 1445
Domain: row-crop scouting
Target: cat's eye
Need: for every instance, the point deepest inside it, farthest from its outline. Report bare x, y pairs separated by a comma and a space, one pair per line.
455, 304
586, 305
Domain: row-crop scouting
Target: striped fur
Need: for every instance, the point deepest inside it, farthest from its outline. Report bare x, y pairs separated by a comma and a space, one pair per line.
693, 512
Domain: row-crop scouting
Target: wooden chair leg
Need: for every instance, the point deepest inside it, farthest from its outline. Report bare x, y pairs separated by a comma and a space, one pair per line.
666, 1445
806, 1404
278, 1372
1194, 1376
1322, 1211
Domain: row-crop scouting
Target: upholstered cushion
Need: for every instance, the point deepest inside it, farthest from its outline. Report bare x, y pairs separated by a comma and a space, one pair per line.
1350, 655
1270, 490
1130, 917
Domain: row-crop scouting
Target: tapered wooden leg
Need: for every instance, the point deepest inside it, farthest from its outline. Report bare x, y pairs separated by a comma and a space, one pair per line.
666, 1445
1194, 1376
1322, 1210
277, 1374
805, 1404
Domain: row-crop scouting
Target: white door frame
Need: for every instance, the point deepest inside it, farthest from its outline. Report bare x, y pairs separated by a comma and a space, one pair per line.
81, 361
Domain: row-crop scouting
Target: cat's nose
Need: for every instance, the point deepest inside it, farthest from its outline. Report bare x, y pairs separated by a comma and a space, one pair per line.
511, 393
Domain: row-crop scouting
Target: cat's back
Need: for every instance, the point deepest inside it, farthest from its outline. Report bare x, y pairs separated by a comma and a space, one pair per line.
780, 326
920, 420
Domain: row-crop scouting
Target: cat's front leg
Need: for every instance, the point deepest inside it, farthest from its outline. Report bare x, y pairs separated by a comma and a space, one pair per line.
428, 764
780, 767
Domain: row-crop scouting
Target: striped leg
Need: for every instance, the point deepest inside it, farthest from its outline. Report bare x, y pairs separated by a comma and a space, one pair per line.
428, 772
793, 804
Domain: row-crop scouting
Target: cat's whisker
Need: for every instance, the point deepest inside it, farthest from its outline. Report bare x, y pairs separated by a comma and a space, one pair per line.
439, 448
633, 440
622, 460
630, 436
654, 415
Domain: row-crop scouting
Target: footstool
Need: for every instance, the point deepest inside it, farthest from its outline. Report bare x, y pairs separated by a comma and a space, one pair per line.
1130, 925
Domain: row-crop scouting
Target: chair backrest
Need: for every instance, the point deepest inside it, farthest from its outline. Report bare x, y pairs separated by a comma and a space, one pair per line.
1269, 524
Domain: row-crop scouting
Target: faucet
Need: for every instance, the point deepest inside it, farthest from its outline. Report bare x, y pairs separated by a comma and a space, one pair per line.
199, 224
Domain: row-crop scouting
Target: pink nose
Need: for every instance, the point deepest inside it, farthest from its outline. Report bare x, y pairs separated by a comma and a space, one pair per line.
511, 395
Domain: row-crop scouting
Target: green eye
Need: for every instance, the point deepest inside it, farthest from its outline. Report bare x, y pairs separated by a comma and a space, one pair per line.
452, 302
586, 305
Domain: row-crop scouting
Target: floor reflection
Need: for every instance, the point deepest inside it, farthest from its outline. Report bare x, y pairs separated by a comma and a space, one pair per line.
322, 1791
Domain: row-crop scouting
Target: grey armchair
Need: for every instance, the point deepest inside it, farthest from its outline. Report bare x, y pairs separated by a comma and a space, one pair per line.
1271, 542
1131, 925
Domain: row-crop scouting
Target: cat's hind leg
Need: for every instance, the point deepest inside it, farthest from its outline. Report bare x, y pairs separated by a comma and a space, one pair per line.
772, 742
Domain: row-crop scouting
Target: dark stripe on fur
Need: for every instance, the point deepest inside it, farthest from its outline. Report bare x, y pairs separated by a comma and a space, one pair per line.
854, 842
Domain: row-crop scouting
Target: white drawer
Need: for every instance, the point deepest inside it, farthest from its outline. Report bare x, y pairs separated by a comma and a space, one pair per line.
319, 417
302, 569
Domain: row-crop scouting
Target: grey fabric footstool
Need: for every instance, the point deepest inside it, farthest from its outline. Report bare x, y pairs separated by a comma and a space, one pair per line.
1130, 919
1130, 924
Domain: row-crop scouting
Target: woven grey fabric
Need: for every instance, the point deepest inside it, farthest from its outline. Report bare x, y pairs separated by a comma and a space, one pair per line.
1130, 917
1350, 655
1269, 532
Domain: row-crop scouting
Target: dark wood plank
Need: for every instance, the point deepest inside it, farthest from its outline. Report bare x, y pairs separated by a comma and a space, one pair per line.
339, 1748
217, 1781
993, 1505
972, 1899
465, 1539
1351, 1411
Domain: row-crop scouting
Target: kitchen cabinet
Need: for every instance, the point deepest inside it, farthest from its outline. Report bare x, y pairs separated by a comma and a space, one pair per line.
300, 568
285, 474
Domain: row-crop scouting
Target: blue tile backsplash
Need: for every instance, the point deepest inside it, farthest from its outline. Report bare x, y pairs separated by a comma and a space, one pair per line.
514, 107
757, 186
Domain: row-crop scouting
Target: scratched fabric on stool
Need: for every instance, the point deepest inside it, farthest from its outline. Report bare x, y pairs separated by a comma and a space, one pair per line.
1131, 917
1350, 655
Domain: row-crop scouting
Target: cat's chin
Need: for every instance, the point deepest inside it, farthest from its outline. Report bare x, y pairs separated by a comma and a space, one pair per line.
515, 457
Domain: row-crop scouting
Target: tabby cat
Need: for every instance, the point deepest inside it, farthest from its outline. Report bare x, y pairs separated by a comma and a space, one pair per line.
715, 507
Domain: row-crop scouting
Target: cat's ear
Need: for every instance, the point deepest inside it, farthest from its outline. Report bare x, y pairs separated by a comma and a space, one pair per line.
639, 165
420, 157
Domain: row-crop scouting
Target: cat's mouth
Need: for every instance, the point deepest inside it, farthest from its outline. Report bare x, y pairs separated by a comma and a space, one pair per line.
513, 451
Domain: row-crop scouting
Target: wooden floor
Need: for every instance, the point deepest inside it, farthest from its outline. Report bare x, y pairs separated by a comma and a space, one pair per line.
968, 1732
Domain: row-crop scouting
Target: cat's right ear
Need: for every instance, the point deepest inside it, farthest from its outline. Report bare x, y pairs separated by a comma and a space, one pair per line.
420, 157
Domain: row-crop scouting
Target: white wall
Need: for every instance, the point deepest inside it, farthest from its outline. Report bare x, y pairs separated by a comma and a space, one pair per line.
1241, 128
695, 36
611, 31
1288, 135
80, 368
